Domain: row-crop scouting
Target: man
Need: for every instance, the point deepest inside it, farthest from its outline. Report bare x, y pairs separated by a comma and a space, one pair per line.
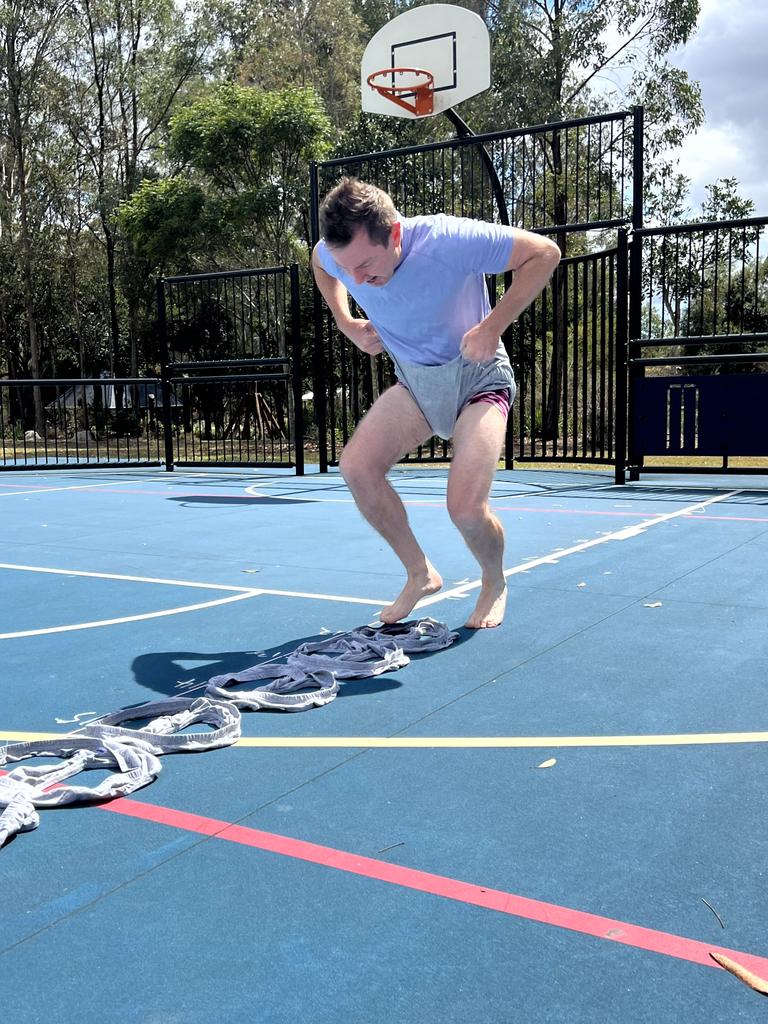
421, 283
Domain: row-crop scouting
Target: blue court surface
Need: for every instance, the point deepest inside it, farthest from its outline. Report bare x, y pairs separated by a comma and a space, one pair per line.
556, 820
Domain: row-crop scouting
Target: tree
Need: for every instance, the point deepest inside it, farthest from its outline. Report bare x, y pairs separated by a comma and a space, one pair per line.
165, 223
129, 61
706, 281
253, 147
26, 46
273, 45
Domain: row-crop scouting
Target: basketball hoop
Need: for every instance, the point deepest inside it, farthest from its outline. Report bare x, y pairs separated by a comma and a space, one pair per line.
422, 93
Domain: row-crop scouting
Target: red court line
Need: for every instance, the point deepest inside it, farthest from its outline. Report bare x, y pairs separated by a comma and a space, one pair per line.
436, 503
439, 885
573, 511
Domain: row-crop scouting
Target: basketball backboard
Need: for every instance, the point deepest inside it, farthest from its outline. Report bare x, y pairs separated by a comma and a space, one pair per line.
450, 42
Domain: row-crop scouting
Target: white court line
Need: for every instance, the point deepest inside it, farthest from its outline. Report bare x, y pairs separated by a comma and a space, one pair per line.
328, 597
243, 592
238, 594
625, 534
130, 579
260, 491
192, 583
254, 492
129, 618
47, 490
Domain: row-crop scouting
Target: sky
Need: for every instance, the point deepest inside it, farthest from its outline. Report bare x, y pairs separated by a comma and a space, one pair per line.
728, 57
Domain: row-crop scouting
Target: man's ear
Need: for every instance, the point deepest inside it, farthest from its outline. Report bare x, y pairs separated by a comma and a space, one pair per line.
396, 233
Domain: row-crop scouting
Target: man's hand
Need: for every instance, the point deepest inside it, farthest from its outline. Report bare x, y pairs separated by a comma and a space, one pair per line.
479, 344
363, 334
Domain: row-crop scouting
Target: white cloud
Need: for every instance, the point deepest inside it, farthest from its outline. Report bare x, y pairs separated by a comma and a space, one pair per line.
727, 57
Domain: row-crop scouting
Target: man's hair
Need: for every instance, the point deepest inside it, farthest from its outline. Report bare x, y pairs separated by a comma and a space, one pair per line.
353, 204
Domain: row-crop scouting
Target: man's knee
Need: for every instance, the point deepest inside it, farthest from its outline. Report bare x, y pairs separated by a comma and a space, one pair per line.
349, 465
357, 468
466, 511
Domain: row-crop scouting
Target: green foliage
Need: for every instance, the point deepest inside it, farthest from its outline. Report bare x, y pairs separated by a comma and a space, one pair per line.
239, 136
707, 281
167, 138
548, 59
723, 201
251, 149
164, 220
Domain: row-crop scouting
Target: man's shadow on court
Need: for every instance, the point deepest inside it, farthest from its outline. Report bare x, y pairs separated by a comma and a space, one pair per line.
185, 673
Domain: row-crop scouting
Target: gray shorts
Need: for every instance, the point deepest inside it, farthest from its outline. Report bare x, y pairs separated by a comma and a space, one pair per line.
441, 392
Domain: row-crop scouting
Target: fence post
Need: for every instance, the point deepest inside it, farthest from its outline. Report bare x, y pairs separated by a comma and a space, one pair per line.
638, 169
297, 374
165, 375
634, 458
622, 274
319, 382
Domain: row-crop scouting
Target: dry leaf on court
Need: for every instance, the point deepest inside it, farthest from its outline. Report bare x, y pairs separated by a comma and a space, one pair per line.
754, 981
548, 763
656, 604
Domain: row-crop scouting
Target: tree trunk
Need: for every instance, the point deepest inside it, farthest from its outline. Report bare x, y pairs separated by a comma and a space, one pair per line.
16, 132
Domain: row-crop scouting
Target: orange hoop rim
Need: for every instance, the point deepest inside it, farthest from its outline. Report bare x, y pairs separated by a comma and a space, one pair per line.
396, 90
420, 95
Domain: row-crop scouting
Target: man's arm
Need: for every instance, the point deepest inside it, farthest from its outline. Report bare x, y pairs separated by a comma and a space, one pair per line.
533, 260
360, 332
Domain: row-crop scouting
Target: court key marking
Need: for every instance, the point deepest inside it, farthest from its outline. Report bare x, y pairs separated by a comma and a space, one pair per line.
460, 591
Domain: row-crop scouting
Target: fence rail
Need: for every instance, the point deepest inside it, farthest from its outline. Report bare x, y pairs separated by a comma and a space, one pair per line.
697, 365
237, 418
232, 344
566, 176
64, 422
564, 355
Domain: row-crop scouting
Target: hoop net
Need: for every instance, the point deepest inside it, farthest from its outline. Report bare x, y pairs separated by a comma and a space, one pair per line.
414, 96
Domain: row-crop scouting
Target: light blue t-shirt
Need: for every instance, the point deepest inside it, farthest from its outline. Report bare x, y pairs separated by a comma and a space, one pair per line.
438, 290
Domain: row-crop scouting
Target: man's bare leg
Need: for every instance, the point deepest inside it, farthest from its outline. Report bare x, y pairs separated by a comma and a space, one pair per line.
477, 444
392, 427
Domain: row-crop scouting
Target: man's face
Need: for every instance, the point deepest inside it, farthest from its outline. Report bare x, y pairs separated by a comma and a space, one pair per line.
366, 261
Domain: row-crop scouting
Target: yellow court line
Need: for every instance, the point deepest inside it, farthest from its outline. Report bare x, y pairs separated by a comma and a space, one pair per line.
467, 742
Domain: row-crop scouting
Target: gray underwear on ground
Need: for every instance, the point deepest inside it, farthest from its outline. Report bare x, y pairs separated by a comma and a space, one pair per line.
284, 688
167, 720
309, 675
415, 636
24, 788
308, 678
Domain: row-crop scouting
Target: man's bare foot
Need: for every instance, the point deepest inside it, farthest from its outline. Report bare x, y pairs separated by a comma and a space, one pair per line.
411, 594
489, 610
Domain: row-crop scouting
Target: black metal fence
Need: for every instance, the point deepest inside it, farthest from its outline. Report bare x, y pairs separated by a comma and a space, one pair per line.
647, 343
54, 424
578, 181
563, 350
697, 354
230, 390
233, 360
